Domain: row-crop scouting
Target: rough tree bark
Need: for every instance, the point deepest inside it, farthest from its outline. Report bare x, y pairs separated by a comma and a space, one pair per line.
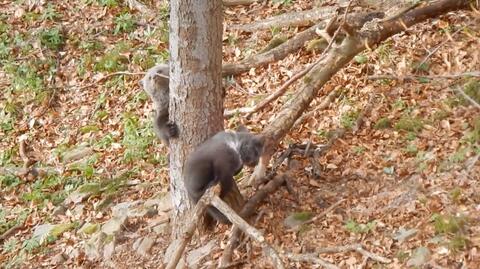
196, 98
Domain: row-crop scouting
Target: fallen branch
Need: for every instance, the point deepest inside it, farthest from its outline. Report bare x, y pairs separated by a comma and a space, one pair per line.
10, 231
323, 105
229, 3
354, 247
246, 212
198, 212
466, 96
416, 77
250, 110
336, 59
273, 55
293, 44
300, 18
251, 231
311, 258
438, 47
325, 212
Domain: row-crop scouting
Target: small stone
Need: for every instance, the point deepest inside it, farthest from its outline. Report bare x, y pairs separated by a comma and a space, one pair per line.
331, 166
109, 249
420, 256
59, 258
113, 225
161, 229
60, 210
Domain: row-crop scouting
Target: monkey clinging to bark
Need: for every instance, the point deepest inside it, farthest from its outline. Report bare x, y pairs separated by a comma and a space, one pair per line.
218, 160
156, 84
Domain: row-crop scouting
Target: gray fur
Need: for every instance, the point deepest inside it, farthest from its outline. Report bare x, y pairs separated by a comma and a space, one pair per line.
156, 84
218, 160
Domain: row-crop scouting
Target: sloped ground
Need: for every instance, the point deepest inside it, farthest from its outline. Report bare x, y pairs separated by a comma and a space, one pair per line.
407, 180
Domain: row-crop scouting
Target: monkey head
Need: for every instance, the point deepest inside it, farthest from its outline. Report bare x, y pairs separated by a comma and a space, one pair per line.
251, 150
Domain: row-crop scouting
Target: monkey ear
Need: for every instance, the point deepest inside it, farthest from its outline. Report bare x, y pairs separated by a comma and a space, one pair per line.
242, 129
160, 79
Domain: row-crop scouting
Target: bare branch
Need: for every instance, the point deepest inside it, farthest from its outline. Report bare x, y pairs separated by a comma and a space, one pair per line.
414, 77
336, 59
251, 231
437, 48
294, 44
247, 211
466, 96
300, 18
193, 223
311, 258
240, 2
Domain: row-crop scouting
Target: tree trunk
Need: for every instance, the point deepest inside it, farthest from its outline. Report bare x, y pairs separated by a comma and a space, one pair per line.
196, 98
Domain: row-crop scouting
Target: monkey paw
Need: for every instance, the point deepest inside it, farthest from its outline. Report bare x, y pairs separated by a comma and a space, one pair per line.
172, 129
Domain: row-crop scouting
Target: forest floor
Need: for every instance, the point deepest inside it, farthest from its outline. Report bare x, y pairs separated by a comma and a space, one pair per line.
405, 184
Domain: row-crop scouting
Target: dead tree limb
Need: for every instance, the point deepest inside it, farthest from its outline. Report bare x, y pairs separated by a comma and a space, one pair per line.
229, 3
247, 211
354, 247
194, 221
357, 20
415, 77
466, 96
337, 58
273, 55
249, 230
311, 258
250, 110
300, 18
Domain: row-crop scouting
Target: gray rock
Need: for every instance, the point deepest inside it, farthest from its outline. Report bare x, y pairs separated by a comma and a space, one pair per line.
114, 225
163, 204
145, 246
420, 256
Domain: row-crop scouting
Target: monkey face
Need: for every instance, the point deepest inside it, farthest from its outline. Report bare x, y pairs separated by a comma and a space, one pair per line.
156, 79
251, 151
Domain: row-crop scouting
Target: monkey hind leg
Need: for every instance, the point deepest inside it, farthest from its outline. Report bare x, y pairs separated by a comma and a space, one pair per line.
217, 215
234, 198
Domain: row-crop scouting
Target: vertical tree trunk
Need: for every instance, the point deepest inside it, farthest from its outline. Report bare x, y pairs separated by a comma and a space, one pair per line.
196, 99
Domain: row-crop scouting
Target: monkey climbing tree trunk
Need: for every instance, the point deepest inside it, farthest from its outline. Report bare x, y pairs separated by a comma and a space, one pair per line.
196, 98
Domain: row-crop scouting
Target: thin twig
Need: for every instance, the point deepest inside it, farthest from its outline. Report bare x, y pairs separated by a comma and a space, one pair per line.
354, 247
401, 12
251, 231
413, 77
250, 110
325, 212
10, 231
108, 76
438, 47
464, 95
311, 258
